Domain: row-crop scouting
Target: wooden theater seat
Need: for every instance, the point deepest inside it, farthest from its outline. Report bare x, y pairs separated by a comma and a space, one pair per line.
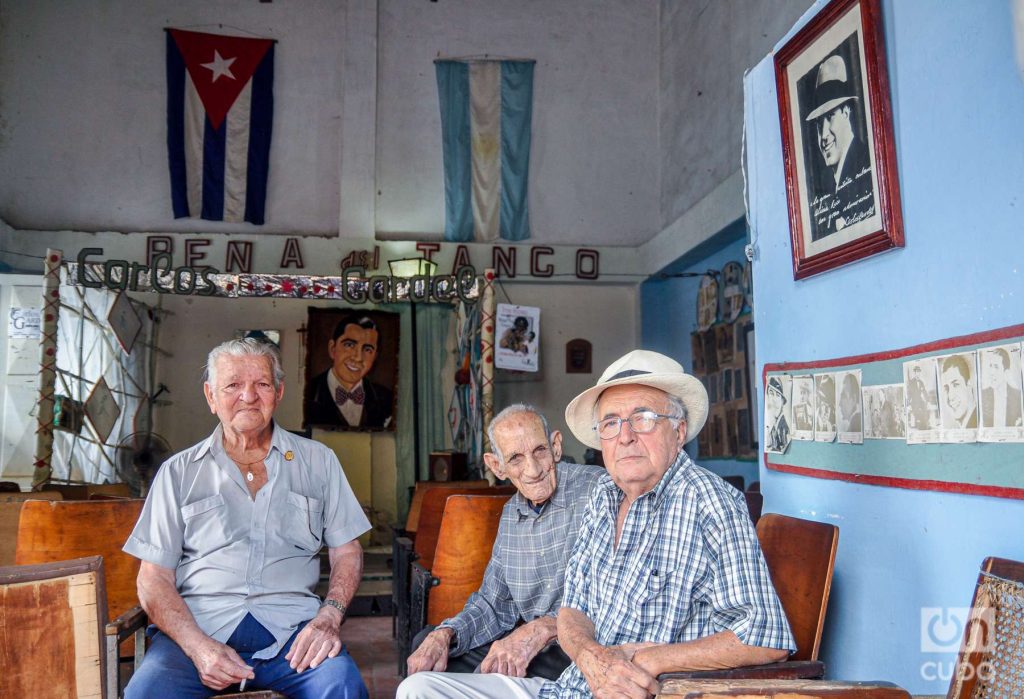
52, 615
801, 557
990, 662
50, 531
10, 511
468, 528
413, 518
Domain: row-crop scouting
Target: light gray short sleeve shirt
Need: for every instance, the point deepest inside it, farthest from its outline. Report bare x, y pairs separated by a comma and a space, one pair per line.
233, 555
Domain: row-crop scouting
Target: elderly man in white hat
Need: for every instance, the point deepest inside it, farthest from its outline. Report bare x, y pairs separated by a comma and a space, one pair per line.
667, 574
849, 198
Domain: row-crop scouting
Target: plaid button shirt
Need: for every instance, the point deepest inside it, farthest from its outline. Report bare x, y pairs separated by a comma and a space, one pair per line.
524, 577
688, 565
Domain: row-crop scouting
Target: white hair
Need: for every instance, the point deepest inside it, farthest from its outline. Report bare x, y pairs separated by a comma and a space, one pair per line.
510, 411
244, 347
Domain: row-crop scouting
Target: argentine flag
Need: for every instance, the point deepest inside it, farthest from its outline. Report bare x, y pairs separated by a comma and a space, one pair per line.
486, 114
220, 106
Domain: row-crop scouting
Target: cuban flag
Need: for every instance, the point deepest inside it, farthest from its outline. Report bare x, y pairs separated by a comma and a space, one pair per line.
486, 115
220, 105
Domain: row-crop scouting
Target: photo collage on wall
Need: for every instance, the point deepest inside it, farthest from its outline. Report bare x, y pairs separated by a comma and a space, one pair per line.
956, 398
720, 362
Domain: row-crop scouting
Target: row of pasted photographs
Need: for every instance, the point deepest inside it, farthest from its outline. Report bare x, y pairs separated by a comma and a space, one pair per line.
972, 396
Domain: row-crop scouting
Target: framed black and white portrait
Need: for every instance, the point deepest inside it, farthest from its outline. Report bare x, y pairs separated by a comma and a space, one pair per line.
838, 147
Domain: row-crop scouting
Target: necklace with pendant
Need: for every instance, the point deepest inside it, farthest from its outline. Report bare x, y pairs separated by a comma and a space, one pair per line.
248, 471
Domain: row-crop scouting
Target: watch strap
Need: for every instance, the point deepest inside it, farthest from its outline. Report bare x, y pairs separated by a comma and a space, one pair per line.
336, 604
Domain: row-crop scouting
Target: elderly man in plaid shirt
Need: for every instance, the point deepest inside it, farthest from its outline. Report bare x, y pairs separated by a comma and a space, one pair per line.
666, 574
508, 627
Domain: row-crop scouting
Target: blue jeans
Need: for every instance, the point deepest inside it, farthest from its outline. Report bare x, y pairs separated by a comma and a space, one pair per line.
167, 672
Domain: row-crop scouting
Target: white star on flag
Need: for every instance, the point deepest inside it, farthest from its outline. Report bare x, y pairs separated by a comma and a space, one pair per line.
220, 66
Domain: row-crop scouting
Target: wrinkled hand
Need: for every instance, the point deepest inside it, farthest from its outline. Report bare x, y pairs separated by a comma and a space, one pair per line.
219, 665
432, 655
512, 655
611, 674
319, 640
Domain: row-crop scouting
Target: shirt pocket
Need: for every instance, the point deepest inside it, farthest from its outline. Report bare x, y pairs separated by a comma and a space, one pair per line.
658, 596
304, 522
205, 525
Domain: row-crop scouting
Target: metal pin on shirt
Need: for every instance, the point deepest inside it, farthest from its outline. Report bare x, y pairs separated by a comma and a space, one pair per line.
288, 456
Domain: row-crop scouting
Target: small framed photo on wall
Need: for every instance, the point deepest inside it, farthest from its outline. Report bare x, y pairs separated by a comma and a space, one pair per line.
837, 138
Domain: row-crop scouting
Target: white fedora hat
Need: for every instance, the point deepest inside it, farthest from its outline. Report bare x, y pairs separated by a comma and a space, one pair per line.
646, 369
831, 88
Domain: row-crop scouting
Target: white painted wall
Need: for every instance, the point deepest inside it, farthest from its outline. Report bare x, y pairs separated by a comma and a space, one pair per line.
605, 314
594, 162
83, 133
82, 139
706, 48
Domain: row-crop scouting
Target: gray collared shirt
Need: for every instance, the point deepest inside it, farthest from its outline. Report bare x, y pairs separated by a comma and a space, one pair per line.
523, 580
233, 555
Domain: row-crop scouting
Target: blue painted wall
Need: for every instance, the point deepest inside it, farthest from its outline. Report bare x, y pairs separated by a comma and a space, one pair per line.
670, 315
958, 102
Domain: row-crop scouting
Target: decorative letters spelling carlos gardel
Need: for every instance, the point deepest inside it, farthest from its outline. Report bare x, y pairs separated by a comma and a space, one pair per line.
353, 285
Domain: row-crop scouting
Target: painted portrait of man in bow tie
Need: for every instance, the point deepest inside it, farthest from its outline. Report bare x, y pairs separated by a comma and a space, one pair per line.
344, 395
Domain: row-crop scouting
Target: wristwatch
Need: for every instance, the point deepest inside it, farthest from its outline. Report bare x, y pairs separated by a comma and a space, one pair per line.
336, 604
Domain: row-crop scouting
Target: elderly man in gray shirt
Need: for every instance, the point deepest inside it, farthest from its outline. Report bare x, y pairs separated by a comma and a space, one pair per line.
508, 626
229, 540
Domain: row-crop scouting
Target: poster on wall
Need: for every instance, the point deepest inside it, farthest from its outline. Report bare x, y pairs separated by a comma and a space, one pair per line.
518, 332
778, 414
351, 369
884, 411
850, 426
1001, 408
803, 407
958, 397
837, 135
922, 401
824, 408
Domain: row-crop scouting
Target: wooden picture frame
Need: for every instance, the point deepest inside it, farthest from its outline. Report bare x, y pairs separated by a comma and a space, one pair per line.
839, 152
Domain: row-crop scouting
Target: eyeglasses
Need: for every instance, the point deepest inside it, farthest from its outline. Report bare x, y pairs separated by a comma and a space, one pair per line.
640, 422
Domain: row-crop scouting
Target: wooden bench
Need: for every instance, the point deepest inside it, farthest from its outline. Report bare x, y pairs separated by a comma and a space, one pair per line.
53, 615
779, 689
10, 511
60, 530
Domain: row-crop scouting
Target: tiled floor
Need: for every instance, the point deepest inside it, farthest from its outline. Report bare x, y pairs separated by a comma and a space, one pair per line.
370, 644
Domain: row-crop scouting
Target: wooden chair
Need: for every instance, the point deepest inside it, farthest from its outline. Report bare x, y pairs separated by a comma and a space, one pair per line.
780, 689
405, 551
10, 511
467, 532
755, 501
69, 491
133, 623
120, 490
401, 541
64, 529
801, 556
52, 615
736, 482
991, 658
413, 518
990, 662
